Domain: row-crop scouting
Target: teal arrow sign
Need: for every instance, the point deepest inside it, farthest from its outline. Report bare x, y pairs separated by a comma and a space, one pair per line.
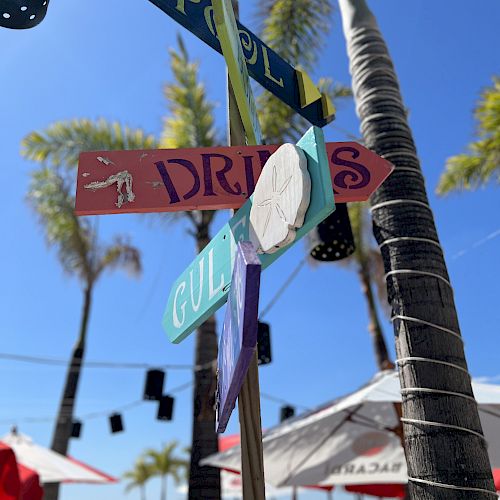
203, 287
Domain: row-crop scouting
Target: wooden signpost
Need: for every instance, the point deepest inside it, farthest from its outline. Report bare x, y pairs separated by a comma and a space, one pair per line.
239, 333
291, 86
294, 191
168, 180
203, 287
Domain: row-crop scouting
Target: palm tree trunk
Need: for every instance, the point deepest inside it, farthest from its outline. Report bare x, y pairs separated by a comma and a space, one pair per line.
204, 482
62, 432
163, 488
374, 326
448, 460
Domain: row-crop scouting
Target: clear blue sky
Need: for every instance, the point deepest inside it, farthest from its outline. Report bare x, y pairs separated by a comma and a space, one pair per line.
109, 59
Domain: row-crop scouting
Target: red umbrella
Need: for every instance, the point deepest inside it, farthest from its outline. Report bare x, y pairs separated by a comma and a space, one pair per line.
16, 481
30, 484
9, 477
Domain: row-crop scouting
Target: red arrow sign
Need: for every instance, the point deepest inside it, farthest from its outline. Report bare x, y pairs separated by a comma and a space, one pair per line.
168, 180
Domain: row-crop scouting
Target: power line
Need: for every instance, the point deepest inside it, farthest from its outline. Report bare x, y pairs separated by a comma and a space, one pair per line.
101, 364
93, 415
478, 243
283, 287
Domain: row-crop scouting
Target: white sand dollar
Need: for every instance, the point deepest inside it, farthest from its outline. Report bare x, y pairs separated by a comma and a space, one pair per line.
280, 200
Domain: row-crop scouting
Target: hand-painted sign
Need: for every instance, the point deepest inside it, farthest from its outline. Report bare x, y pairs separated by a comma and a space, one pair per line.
229, 38
239, 332
264, 65
167, 180
203, 287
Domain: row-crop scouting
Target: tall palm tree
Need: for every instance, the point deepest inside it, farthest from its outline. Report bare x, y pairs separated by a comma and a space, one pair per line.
79, 251
191, 124
163, 463
367, 263
139, 476
295, 29
482, 161
446, 453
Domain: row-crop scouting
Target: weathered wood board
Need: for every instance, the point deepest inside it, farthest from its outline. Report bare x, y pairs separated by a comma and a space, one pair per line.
168, 180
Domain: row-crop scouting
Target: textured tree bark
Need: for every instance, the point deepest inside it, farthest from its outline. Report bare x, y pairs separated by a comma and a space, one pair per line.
204, 482
374, 327
453, 463
62, 431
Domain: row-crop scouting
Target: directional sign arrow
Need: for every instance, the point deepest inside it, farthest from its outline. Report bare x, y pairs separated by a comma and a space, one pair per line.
203, 287
264, 65
168, 180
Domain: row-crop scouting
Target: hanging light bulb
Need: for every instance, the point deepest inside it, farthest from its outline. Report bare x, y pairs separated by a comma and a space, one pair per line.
116, 423
76, 429
264, 343
286, 412
22, 14
332, 239
165, 408
153, 388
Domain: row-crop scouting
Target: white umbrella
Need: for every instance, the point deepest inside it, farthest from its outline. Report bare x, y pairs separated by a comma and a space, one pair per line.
231, 488
52, 467
349, 441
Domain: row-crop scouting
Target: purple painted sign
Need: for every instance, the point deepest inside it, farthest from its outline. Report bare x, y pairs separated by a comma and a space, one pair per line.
239, 333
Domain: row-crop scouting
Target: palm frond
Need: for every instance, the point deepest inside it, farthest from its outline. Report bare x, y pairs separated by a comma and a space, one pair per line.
61, 143
120, 255
295, 29
191, 121
72, 236
481, 163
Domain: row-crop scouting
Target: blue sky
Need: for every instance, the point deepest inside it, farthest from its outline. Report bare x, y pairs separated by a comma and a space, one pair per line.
109, 59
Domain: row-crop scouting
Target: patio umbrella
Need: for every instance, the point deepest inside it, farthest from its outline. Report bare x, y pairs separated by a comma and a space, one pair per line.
16, 481
52, 467
352, 440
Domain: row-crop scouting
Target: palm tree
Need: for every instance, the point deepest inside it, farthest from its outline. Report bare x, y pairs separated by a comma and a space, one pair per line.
367, 263
138, 477
163, 463
295, 28
191, 124
79, 251
440, 415
482, 162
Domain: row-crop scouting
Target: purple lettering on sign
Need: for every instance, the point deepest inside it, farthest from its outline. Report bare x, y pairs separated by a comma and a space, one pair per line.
361, 174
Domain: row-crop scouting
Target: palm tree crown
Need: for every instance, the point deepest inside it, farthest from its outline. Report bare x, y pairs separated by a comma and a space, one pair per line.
482, 162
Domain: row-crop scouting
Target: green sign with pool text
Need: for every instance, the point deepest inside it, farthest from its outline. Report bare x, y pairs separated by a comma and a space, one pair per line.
203, 287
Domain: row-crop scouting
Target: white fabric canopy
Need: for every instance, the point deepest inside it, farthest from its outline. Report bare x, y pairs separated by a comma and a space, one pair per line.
348, 441
52, 467
231, 488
